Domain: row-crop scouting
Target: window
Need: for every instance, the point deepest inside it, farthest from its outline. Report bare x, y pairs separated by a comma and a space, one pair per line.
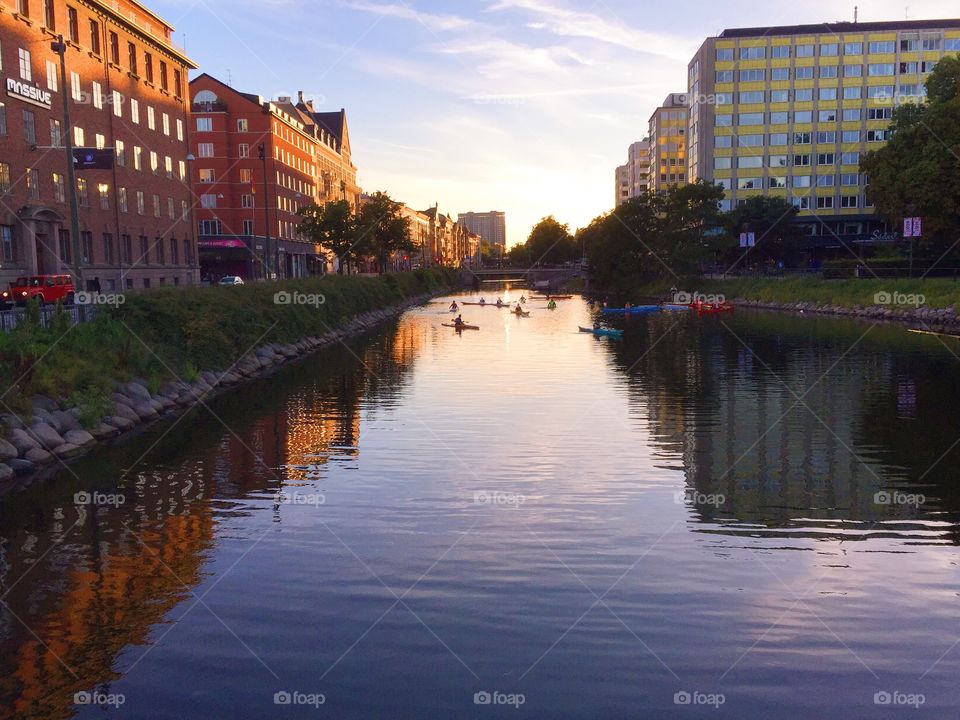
803, 95
780, 51
108, 248
724, 76
179, 129
177, 82
135, 110
878, 135
879, 113
156, 205
94, 37
137, 157
154, 162
168, 166
755, 96
207, 175
750, 183
187, 252
851, 158
825, 116
209, 227
26, 72
141, 203
148, 67
880, 92
749, 162
752, 75
183, 169
52, 76
166, 124
101, 141
801, 160
829, 50
174, 254
132, 58
204, 124
852, 93
158, 251
876, 48
183, 210
750, 119
86, 245
59, 191
33, 183
827, 136
151, 118
852, 115
723, 141
246, 201
777, 182
104, 191
828, 93
205, 150
164, 85
828, 72
779, 96
122, 199
876, 69
828, 158
114, 48
144, 250
242, 125
778, 139
126, 248
75, 90
171, 209
780, 74
951, 44
246, 175
724, 54
801, 138
850, 136
117, 102
83, 197
750, 141
778, 161
7, 244
73, 25
801, 181
97, 96
208, 201
721, 163
243, 150
853, 70
248, 227
850, 180
56, 136
118, 153
49, 20
824, 202
29, 127
803, 73
849, 201
804, 51
4, 177
853, 48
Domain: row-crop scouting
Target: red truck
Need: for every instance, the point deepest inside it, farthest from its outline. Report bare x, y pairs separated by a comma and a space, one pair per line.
46, 288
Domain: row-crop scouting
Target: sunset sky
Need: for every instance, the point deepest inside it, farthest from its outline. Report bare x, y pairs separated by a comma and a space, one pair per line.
525, 106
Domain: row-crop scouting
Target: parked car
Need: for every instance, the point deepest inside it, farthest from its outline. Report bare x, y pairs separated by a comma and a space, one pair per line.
46, 288
231, 280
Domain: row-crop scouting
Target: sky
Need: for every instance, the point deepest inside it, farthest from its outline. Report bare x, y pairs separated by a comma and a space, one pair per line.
525, 106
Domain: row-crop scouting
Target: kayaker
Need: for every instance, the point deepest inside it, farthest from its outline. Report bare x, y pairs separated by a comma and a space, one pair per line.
482, 301
523, 299
552, 305
499, 302
454, 307
459, 321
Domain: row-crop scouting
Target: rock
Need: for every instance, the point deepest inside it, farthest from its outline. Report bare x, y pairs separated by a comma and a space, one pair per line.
11, 421
230, 378
45, 403
67, 421
21, 466
164, 402
145, 410
104, 430
157, 406
210, 378
42, 416
171, 391
8, 450
123, 399
38, 456
78, 437
126, 411
45, 435
137, 391
66, 450
21, 441
6, 472
120, 422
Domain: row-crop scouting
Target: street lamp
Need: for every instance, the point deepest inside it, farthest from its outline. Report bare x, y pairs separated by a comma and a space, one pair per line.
267, 254
60, 48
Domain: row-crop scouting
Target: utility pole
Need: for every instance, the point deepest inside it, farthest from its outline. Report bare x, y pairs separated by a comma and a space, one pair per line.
267, 254
60, 48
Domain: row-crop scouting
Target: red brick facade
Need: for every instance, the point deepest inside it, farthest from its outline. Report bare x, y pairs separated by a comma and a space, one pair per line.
126, 87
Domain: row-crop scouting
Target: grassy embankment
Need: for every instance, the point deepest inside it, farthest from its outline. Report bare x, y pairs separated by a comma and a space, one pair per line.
170, 333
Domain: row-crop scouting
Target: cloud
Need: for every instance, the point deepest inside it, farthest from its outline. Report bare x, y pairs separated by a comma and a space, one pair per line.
406, 12
572, 23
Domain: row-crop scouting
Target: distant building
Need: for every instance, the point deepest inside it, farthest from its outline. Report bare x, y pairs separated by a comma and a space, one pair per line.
633, 179
621, 181
668, 143
490, 226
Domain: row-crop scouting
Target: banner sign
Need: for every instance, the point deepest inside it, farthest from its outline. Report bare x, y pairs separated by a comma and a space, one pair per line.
93, 158
912, 227
28, 92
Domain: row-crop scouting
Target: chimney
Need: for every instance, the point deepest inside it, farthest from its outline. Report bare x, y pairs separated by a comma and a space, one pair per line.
300, 96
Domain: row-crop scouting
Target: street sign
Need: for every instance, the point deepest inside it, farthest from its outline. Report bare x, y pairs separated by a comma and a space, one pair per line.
93, 158
912, 227
751, 239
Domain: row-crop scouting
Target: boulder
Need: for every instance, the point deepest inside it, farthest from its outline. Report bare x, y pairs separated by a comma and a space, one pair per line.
8, 450
67, 421
6, 472
145, 410
158, 407
171, 390
79, 438
42, 416
21, 441
103, 431
21, 466
210, 378
38, 456
126, 411
11, 421
120, 422
165, 402
123, 399
66, 450
137, 391
45, 435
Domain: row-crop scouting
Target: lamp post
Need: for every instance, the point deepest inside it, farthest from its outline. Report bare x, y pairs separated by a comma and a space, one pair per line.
193, 224
267, 254
60, 48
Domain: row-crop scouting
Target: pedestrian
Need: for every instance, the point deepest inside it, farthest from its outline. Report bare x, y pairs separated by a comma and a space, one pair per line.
96, 285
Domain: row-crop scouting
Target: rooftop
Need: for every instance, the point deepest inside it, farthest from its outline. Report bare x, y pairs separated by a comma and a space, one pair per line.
840, 27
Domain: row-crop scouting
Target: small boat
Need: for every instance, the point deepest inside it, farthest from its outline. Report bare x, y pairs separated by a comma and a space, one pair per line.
520, 313
464, 326
551, 305
675, 306
630, 310
932, 332
559, 297
711, 309
602, 332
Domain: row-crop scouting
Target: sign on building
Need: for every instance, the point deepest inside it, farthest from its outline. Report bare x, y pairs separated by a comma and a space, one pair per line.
28, 93
93, 158
912, 227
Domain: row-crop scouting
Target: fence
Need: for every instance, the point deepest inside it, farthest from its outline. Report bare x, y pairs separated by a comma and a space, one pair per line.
9, 319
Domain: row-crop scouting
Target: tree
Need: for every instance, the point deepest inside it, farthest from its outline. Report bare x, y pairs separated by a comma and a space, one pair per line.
332, 226
686, 215
772, 221
917, 173
381, 229
549, 243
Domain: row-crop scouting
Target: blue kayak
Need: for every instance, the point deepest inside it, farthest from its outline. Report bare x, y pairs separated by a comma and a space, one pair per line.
630, 310
604, 332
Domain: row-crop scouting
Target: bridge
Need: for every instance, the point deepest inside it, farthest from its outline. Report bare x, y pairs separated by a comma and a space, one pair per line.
541, 277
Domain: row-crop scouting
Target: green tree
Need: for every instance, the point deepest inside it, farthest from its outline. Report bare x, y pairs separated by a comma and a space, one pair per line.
549, 243
917, 173
773, 222
686, 215
332, 226
382, 230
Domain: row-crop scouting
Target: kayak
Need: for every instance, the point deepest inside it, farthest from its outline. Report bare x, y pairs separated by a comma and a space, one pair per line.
559, 297
603, 332
520, 314
503, 305
675, 306
630, 310
461, 327
713, 309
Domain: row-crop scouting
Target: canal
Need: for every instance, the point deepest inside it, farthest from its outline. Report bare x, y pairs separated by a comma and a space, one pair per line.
751, 515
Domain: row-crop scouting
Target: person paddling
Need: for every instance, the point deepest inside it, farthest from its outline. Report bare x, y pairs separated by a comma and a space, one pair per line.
454, 307
482, 301
459, 321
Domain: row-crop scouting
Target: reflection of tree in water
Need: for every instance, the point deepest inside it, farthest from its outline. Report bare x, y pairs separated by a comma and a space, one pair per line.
721, 392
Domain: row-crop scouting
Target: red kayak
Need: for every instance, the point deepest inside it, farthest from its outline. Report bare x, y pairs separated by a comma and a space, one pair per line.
709, 308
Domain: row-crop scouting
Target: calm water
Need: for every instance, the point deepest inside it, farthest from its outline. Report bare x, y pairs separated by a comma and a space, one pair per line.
593, 525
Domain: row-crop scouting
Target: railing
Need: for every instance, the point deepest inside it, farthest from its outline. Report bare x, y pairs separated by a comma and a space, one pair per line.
9, 319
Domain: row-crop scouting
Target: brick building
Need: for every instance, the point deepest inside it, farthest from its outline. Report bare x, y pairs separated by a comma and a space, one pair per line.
248, 203
126, 88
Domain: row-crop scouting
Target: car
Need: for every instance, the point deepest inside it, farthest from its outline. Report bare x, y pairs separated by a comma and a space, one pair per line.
45, 288
231, 280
